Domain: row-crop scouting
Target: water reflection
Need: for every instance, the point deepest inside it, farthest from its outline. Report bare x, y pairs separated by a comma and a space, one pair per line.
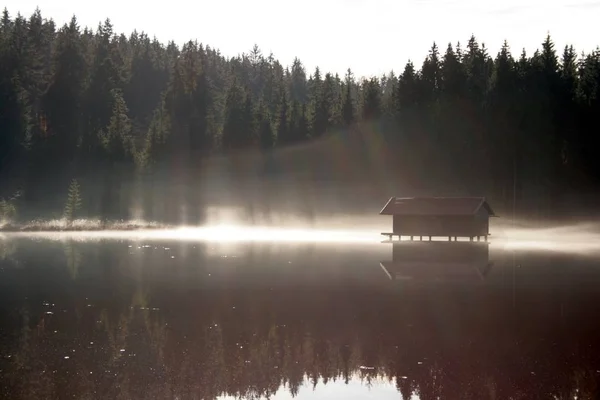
127, 320
441, 262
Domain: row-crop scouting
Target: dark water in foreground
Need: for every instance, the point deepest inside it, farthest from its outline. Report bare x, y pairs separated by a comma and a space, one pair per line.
174, 320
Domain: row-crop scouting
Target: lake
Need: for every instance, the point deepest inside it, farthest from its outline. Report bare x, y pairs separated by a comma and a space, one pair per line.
149, 318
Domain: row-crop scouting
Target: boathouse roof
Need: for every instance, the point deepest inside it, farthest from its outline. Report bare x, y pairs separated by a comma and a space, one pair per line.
436, 206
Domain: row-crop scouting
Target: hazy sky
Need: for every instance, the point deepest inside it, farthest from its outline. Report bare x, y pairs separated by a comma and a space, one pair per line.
371, 37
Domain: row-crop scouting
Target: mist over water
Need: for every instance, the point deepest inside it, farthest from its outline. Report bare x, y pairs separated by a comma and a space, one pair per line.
578, 238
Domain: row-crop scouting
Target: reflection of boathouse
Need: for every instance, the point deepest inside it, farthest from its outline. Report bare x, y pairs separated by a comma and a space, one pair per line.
438, 261
450, 217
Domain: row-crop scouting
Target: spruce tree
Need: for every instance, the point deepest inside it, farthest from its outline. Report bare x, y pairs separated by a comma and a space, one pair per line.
348, 102
74, 202
372, 100
283, 127
235, 132
266, 139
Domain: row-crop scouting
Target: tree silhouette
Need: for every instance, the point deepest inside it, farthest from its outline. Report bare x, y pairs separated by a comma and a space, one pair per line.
128, 111
73, 203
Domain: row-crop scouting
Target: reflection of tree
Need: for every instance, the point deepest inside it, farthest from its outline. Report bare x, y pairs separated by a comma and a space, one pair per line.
169, 333
73, 257
8, 248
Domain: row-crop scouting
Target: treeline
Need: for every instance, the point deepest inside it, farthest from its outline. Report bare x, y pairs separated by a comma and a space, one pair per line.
142, 125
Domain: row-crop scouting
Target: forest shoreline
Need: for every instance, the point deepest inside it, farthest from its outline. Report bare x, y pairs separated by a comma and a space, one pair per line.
116, 125
86, 226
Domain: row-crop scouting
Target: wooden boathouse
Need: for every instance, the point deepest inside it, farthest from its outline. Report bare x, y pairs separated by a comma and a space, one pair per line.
451, 217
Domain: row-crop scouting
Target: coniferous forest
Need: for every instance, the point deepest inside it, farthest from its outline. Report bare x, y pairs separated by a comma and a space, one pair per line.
95, 123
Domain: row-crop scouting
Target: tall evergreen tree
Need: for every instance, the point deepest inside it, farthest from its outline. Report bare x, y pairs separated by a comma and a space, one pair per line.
134, 118
266, 138
283, 126
73, 203
348, 102
372, 100
236, 132
118, 161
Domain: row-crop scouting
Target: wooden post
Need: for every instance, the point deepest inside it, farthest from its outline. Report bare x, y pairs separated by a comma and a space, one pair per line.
411, 238
470, 238
421, 238
486, 237
449, 238
430, 238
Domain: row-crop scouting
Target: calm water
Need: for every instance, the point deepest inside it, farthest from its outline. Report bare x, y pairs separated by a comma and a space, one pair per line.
154, 319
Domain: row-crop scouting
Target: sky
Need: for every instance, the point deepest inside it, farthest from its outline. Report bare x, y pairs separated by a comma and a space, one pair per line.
370, 37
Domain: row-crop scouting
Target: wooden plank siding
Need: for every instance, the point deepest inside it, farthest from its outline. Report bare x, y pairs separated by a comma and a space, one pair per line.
440, 225
425, 217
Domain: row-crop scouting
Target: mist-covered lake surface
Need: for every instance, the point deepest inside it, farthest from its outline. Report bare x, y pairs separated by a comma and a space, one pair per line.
159, 319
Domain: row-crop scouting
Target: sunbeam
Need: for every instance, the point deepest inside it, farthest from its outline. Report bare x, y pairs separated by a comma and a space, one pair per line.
582, 239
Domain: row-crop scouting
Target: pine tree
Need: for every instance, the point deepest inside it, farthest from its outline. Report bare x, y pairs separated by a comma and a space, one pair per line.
298, 84
119, 163
388, 87
431, 75
408, 95
299, 128
105, 77
250, 123
235, 134
73, 203
453, 75
155, 139
283, 127
348, 105
116, 139
266, 139
63, 100
372, 100
324, 103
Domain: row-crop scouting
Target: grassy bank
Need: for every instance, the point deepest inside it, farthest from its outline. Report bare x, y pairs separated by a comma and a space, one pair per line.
78, 225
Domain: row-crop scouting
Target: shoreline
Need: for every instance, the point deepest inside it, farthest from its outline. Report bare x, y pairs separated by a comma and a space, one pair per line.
80, 226
36, 229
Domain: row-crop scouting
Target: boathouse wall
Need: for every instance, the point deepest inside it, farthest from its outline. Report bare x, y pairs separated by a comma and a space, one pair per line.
441, 225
